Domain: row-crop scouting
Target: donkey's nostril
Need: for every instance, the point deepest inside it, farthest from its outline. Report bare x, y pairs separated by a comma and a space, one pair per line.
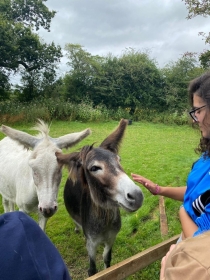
130, 197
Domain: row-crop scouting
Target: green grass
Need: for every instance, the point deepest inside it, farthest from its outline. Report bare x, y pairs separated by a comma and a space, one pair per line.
159, 152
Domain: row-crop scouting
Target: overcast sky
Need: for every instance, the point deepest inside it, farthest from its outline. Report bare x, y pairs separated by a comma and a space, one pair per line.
104, 26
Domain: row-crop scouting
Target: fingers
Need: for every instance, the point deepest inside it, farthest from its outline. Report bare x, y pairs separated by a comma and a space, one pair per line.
171, 248
138, 178
168, 253
144, 181
163, 261
162, 270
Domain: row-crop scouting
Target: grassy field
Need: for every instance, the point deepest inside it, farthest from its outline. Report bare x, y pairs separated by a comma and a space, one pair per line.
161, 153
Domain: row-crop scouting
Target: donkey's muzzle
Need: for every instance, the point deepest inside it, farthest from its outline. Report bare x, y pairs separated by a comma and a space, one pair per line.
48, 212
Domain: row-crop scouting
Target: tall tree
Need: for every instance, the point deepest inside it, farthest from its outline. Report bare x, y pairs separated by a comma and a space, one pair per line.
200, 8
28, 12
130, 80
177, 76
127, 81
84, 68
21, 48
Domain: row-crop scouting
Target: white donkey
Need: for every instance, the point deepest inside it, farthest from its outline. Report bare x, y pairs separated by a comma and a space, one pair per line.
30, 178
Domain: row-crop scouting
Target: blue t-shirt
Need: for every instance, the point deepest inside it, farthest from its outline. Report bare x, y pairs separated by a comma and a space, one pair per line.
197, 196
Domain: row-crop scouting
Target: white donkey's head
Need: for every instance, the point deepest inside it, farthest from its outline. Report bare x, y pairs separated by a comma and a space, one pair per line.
46, 170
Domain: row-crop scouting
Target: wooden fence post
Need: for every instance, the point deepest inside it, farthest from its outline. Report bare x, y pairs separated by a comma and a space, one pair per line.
163, 217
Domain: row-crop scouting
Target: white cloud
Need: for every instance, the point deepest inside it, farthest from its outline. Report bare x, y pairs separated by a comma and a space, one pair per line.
104, 26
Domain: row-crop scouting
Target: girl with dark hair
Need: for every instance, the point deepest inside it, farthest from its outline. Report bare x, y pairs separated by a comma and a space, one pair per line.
195, 213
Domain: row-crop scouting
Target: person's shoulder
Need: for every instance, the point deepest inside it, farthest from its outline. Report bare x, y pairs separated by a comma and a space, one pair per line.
196, 248
198, 241
203, 159
190, 259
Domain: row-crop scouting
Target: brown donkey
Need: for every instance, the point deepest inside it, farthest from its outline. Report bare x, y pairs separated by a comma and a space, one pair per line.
96, 188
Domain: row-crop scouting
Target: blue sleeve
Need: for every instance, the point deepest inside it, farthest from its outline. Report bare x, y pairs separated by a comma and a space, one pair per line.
203, 221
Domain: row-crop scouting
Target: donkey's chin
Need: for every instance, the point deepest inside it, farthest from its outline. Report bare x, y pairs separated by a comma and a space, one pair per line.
126, 208
109, 204
48, 215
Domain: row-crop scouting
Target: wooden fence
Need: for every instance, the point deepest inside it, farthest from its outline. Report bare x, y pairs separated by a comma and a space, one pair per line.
135, 263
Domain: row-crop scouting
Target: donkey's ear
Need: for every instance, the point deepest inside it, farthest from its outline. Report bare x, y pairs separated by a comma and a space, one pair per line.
84, 151
71, 161
66, 159
23, 138
113, 141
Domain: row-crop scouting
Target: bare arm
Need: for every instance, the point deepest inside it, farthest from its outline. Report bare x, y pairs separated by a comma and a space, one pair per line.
176, 193
188, 226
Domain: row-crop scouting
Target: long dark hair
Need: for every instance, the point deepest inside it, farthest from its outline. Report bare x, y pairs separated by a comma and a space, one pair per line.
201, 87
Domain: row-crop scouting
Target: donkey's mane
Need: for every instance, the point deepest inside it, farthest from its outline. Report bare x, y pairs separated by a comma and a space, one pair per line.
42, 127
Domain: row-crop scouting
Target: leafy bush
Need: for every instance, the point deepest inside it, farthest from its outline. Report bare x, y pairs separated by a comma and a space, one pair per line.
161, 117
59, 109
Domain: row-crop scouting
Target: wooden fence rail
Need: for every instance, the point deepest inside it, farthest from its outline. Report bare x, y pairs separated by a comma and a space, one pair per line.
135, 263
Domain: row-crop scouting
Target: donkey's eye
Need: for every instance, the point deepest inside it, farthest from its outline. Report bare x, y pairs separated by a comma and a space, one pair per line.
95, 168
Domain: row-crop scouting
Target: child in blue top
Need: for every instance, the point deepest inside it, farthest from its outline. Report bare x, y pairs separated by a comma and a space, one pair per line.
197, 195
195, 213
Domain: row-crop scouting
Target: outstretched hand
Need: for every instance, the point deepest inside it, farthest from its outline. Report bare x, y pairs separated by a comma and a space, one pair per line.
152, 187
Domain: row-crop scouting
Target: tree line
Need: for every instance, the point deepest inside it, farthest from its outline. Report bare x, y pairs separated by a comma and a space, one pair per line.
130, 81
